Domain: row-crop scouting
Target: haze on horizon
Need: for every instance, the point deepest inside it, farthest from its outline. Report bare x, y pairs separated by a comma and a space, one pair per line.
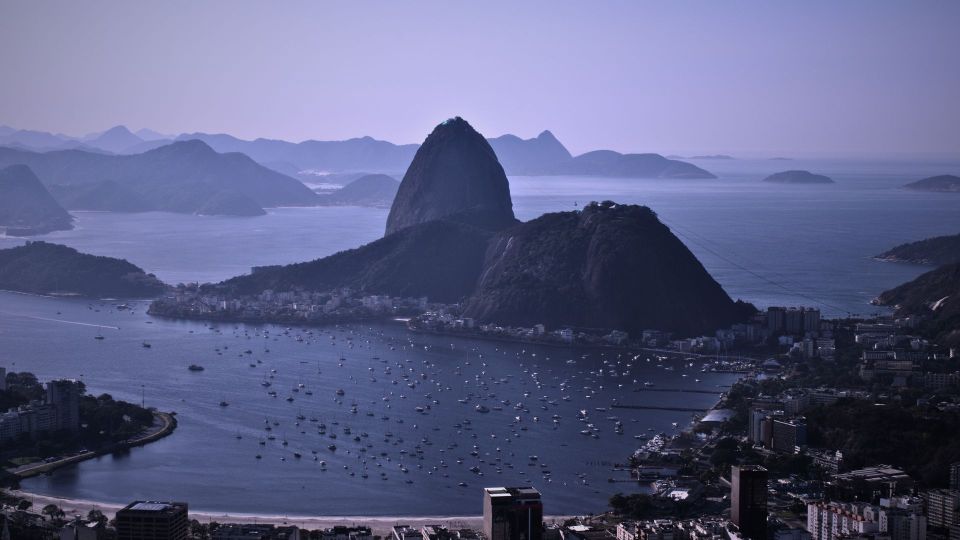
763, 78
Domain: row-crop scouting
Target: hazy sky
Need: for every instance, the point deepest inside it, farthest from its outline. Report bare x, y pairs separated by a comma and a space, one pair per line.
713, 76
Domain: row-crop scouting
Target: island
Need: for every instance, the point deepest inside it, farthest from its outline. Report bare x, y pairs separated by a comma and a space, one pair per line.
45, 268
938, 250
375, 190
798, 177
26, 207
944, 183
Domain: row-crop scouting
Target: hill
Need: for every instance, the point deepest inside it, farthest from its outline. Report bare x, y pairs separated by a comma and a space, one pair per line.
607, 266
615, 164
945, 183
529, 156
43, 268
935, 296
376, 190
455, 171
938, 250
798, 177
180, 177
26, 207
440, 259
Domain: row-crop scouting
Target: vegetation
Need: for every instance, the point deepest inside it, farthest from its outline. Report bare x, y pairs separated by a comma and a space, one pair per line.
43, 268
104, 421
938, 250
925, 444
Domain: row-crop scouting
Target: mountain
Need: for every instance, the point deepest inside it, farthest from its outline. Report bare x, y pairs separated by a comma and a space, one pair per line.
529, 156
452, 237
105, 196
33, 139
607, 266
180, 177
713, 156
610, 163
116, 139
26, 207
365, 153
455, 171
43, 268
938, 250
377, 190
151, 135
798, 177
945, 183
934, 296
439, 259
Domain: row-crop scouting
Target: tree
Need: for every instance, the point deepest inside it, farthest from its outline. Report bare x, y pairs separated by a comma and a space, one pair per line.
24, 505
96, 516
53, 511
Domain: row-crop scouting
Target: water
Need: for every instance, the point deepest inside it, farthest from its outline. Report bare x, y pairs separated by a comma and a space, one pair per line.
204, 463
768, 244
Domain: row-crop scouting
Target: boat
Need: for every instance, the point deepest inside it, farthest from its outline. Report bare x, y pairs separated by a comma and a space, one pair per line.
224, 404
481, 409
195, 367
146, 345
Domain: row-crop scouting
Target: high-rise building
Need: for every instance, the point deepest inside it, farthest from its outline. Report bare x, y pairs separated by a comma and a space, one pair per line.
3, 379
942, 507
788, 433
149, 520
512, 513
955, 476
748, 499
64, 395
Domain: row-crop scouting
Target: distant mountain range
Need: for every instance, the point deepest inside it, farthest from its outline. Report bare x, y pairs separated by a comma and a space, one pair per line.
26, 207
543, 155
377, 190
185, 177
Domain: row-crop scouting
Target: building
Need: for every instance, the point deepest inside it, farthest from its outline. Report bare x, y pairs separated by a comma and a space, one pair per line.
406, 532
955, 476
788, 434
830, 521
64, 394
3, 379
512, 514
942, 507
748, 500
342, 533
870, 484
149, 520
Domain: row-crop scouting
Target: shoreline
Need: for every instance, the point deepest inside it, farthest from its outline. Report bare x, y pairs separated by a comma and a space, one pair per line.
381, 525
167, 427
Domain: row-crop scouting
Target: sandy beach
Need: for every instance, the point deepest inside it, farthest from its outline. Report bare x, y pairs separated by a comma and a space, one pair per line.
380, 525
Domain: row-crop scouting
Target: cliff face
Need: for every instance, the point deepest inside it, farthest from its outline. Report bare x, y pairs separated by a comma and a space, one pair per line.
934, 296
455, 171
26, 207
608, 266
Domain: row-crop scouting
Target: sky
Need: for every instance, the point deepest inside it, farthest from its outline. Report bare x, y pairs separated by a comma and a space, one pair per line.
766, 78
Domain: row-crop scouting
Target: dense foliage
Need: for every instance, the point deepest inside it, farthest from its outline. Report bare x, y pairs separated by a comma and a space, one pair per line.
923, 441
41, 267
938, 250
